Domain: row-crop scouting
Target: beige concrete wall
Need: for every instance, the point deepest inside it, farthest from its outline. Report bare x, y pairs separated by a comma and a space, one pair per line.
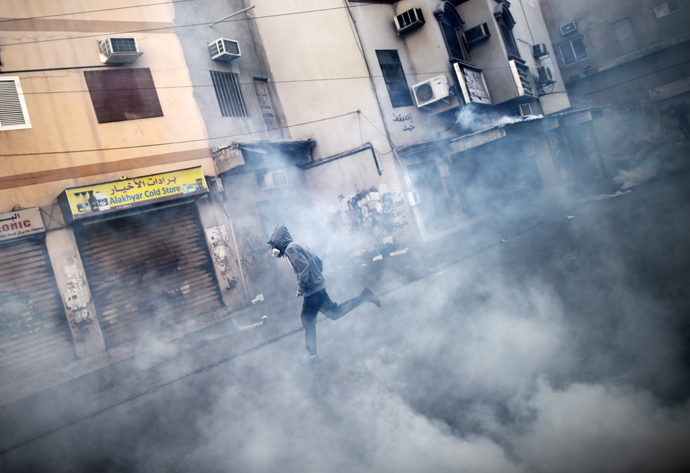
66, 146
321, 74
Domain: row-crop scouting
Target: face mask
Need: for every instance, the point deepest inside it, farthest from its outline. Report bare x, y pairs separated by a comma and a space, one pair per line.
275, 252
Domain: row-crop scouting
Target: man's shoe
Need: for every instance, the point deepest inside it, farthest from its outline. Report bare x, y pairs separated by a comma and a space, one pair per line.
371, 297
310, 360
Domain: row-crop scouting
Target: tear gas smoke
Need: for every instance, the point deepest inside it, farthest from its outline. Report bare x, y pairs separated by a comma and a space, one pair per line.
472, 118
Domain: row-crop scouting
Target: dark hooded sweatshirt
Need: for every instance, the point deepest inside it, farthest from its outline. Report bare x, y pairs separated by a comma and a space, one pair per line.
306, 264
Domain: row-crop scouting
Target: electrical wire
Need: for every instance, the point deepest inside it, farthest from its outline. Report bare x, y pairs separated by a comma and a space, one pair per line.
84, 12
191, 25
119, 148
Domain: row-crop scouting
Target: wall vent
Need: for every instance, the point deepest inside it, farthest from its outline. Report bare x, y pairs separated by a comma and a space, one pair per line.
118, 50
224, 49
13, 111
409, 20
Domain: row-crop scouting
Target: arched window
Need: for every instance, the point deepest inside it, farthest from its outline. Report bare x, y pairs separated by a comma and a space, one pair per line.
451, 27
506, 22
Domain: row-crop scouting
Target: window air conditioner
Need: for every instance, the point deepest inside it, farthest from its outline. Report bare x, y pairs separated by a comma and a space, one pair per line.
539, 50
568, 28
409, 20
118, 50
430, 91
477, 34
271, 180
224, 49
545, 75
525, 110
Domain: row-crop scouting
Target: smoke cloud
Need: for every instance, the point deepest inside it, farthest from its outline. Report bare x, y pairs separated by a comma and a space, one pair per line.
472, 118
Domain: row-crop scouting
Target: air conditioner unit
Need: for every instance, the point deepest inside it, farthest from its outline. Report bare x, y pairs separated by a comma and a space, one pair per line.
118, 50
568, 28
477, 34
539, 50
525, 110
409, 20
224, 49
430, 91
271, 180
545, 75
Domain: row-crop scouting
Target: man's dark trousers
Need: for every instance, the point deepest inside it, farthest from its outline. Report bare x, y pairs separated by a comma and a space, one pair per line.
320, 301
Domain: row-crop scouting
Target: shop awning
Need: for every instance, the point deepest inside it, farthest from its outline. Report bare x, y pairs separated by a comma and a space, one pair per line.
249, 156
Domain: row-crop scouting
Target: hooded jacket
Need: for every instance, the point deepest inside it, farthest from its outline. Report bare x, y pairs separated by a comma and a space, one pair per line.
305, 263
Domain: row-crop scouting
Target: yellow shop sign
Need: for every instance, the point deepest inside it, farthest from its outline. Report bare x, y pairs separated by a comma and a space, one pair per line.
97, 199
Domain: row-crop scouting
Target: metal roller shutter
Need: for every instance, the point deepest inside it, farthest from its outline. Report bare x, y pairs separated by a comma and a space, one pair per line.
147, 271
34, 333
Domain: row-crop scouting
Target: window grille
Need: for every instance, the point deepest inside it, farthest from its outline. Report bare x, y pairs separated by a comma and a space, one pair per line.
229, 94
394, 76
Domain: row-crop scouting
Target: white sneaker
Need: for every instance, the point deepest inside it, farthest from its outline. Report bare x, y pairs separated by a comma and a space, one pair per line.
310, 360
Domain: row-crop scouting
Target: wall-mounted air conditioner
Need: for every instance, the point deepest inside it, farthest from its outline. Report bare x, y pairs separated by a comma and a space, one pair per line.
409, 20
430, 91
539, 50
525, 110
271, 180
224, 49
477, 34
568, 28
545, 76
118, 50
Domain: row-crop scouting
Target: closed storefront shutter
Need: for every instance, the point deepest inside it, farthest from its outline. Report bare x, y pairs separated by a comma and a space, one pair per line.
147, 271
34, 334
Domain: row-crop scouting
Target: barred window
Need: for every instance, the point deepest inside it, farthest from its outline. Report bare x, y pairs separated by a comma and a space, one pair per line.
229, 94
394, 77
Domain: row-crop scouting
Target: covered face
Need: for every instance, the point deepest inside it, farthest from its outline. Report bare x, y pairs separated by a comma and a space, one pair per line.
279, 240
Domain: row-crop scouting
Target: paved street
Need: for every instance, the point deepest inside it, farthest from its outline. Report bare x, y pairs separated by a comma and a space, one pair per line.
553, 342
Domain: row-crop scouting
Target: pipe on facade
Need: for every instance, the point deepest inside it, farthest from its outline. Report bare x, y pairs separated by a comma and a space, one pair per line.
335, 157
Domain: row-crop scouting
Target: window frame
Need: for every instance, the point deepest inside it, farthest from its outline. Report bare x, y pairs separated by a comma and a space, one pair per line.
570, 42
506, 23
449, 18
120, 95
20, 102
395, 78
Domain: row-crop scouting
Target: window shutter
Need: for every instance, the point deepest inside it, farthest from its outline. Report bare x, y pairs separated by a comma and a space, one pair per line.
13, 112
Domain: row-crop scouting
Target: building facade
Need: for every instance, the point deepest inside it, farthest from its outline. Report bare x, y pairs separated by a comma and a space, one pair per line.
462, 103
112, 228
148, 150
632, 56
